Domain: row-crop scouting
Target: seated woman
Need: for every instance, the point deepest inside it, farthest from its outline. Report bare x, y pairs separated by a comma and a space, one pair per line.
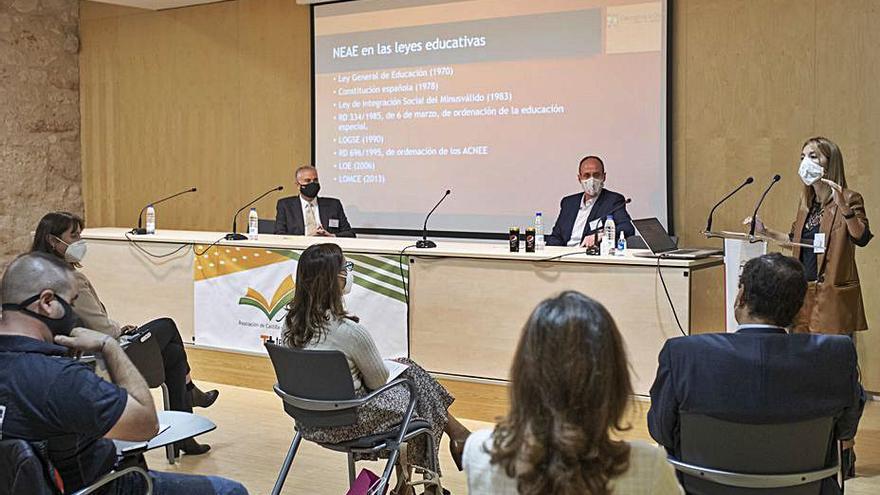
58, 234
317, 319
569, 389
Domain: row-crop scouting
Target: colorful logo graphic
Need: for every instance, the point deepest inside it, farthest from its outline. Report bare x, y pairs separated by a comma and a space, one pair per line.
283, 295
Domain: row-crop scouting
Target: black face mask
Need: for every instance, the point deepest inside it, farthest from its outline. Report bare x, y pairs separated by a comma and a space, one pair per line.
310, 190
59, 326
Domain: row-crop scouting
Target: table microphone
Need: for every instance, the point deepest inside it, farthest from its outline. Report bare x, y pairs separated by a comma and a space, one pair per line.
141, 231
776, 178
748, 181
612, 212
425, 243
235, 236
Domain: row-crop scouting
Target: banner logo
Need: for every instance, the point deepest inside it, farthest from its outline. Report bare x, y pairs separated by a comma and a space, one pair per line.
283, 295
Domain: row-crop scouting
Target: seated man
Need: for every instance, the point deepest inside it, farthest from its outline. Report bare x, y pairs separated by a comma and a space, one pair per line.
761, 374
582, 214
308, 214
50, 397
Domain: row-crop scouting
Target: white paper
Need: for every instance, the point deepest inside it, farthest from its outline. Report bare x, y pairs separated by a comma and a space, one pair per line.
595, 224
819, 243
394, 368
334, 223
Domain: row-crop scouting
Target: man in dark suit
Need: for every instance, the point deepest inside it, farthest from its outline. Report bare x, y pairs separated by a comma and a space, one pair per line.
761, 374
582, 214
307, 214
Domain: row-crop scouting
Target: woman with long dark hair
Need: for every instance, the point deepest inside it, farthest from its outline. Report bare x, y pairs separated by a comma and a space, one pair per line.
569, 391
317, 319
58, 234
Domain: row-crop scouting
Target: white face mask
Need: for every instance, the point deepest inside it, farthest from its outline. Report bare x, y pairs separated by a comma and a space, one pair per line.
75, 252
810, 171
349, 282
592, 186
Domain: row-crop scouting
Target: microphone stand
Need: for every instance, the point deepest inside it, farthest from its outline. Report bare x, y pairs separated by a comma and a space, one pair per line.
752, 238
235, 236
708, 230
142, 231
425, 243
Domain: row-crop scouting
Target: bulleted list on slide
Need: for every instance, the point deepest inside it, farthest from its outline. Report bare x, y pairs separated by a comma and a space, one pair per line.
381, 114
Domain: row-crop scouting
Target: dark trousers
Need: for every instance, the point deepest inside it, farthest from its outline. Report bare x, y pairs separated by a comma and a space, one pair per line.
167, 335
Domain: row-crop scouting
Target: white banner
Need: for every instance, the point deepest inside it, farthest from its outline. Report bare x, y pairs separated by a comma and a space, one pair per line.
241, 295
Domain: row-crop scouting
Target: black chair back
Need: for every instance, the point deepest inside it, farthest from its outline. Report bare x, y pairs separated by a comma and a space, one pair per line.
143, 350
314, 375
22, 470
755, 449
265, 226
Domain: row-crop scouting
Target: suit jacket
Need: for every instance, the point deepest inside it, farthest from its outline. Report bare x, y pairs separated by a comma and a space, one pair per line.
568, 211
759, 376
838, 308
289, 217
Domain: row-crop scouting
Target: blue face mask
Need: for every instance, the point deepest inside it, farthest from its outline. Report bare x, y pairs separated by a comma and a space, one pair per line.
58, 326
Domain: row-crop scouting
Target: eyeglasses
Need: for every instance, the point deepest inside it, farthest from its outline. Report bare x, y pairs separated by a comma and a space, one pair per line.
348, 266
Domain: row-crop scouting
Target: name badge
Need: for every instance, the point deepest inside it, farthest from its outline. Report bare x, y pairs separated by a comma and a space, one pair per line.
595, 224
334, 223
819, 243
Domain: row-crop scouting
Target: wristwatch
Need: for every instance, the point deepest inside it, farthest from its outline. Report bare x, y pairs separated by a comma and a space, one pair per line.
851, 214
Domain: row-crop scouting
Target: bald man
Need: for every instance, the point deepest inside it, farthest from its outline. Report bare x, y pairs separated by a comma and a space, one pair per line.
50, 397
307, 214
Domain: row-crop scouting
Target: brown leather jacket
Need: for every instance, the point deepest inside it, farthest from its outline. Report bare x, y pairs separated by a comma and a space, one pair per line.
837, 307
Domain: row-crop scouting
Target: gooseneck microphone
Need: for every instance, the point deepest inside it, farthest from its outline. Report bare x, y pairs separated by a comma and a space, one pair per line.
776, 178
235, 236
141, 231
425, 243
612, 212
725, 198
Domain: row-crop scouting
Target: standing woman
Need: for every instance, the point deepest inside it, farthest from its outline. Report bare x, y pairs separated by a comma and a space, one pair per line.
833, 216
58, 234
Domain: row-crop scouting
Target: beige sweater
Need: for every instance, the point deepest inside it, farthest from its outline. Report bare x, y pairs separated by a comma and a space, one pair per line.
90, 309
367, 369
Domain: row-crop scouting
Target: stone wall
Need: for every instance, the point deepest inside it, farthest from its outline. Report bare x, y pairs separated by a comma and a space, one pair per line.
39, 116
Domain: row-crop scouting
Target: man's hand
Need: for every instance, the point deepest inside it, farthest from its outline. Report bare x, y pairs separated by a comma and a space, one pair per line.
85, 340
590, 241
320, 232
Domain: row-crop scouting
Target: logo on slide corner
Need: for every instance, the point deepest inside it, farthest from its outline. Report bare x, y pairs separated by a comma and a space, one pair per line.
283, 295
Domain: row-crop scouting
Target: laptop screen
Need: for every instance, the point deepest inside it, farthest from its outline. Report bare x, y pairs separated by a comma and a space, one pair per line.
654, 235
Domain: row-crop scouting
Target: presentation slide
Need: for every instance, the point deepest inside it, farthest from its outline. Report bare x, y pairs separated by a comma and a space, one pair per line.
497, 100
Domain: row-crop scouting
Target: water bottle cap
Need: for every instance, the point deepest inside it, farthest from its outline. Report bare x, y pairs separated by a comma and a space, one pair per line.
538, 214
610, 217
150, 205
253, 209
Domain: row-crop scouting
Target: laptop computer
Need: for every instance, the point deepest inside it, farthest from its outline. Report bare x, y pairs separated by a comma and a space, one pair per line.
660, 244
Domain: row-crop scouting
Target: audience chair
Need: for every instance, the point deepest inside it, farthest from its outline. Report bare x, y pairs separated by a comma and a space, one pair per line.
317, 391
23, 469
144, 353
723, 458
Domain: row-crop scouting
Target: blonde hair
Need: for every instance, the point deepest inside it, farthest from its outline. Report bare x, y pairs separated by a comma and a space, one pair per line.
833, 169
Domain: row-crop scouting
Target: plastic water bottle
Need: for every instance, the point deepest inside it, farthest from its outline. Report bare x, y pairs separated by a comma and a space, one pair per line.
151, 219
539, 231
609, 238
253, 224
621, 245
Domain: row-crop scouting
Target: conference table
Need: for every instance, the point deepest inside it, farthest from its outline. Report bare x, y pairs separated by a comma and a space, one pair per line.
457, 309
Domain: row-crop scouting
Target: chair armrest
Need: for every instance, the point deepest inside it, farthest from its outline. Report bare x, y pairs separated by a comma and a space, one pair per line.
744, 480
114, 475
336, 405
